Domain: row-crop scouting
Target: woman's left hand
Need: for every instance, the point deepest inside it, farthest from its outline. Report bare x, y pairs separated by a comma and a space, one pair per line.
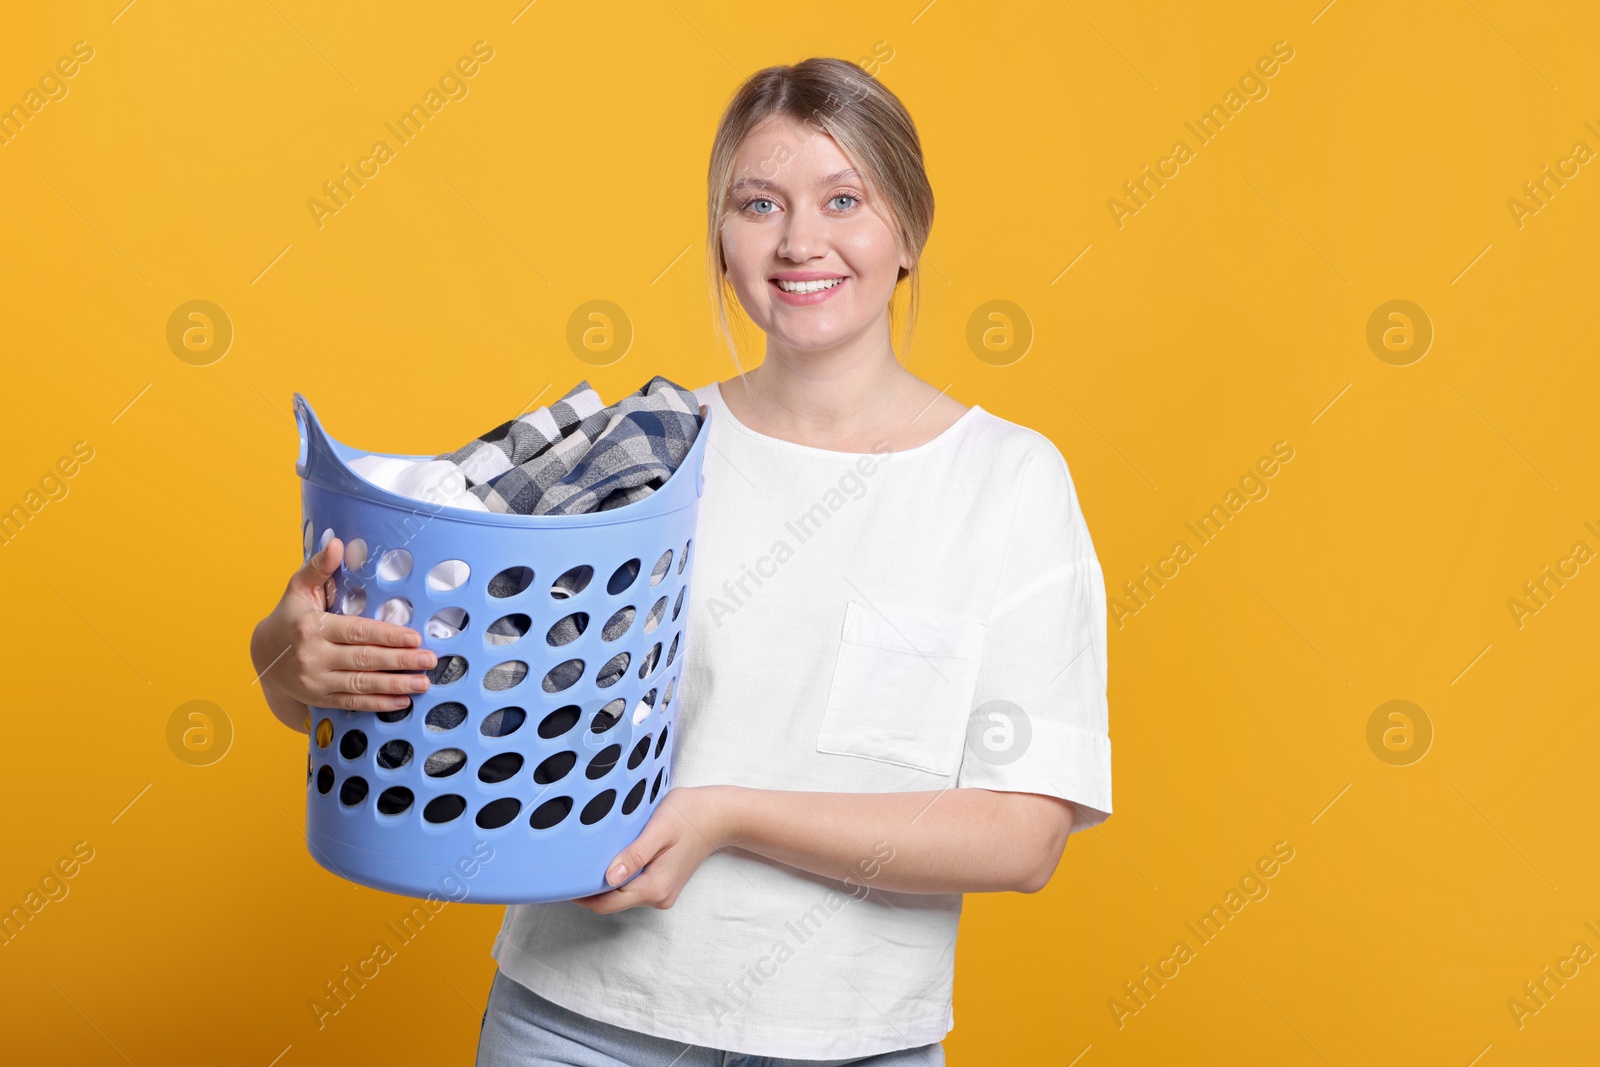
688, 825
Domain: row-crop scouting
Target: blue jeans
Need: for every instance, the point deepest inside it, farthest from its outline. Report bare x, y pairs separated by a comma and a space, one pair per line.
522, 1029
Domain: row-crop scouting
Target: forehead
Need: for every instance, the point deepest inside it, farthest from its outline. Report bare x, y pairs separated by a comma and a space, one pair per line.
787, 153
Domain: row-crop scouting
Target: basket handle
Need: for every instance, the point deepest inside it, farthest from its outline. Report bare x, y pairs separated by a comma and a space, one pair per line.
319, 461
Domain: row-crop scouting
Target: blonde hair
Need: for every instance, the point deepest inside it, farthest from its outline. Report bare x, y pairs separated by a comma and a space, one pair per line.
873, 130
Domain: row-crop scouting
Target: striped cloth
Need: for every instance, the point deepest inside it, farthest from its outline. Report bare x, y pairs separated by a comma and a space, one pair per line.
577, 456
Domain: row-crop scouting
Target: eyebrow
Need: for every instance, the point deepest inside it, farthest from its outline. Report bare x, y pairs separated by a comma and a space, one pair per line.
849, 173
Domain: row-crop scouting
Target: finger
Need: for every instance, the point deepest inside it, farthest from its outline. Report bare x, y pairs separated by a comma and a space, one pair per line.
320, 566
365, 702
377, 682
645, 848
343, 657
357, 630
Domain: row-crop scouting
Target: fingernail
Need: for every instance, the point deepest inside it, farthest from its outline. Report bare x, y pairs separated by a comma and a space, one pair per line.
427, 659
616, 874
419, 684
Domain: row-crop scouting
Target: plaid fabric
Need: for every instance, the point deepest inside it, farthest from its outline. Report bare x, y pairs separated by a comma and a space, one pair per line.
577, 456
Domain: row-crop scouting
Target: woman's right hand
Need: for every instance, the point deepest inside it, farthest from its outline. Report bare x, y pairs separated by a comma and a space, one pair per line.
307, 656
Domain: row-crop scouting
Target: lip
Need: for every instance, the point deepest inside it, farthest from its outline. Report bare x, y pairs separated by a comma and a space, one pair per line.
806, 299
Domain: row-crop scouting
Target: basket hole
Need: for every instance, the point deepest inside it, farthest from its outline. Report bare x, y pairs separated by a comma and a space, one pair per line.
445, 808
447, 622
603, 761
355, 554
510, 582
613, 671
641, 710
306, 539
505, 675
353, 792
393, 755
447, 670
563, 676
550, 813
498, 768
572, 583
354, 601
396, 609
444, 763
656, 786
446, 716
497, 813
308, 768
324, 733
677, 605
667, 696
325, 779
608, 716
623, 577
684, 557
568, 629
394, 565
397, 715
661, 742
508, 628
559, 721
394, 800
648, 664
663, 565
618, 624
672, 650
652, 620
555, 768
322, 542
353, 744
635, 795
502, 722
448, 575
640, 751
597, 808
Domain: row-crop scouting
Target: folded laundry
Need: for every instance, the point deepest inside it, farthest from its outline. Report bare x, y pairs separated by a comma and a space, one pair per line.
572, 457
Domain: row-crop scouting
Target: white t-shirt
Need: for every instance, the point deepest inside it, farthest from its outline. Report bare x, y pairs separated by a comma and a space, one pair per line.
849, 612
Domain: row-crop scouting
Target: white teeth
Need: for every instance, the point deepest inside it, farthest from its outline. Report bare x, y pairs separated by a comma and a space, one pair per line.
808, 287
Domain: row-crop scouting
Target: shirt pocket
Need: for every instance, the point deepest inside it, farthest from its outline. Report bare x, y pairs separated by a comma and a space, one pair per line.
902, 686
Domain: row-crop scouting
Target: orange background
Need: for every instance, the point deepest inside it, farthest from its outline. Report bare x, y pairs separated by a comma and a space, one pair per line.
1228, 313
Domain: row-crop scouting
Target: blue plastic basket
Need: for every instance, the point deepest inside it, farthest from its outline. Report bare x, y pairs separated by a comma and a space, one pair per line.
520, 780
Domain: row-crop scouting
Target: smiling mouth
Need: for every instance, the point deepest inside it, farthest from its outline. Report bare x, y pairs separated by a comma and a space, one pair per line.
806, 287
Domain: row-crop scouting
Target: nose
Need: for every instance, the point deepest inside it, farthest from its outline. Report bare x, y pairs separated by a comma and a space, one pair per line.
801, 237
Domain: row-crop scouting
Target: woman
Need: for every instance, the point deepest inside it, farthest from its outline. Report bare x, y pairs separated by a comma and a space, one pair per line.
894, 681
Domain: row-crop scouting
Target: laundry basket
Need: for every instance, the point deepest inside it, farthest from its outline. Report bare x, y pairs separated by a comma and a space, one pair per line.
519, 780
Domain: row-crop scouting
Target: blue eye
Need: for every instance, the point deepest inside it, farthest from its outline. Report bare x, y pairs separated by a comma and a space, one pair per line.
844, 196
759, 200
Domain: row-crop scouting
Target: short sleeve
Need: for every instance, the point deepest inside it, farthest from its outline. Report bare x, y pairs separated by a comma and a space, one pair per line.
1039, 723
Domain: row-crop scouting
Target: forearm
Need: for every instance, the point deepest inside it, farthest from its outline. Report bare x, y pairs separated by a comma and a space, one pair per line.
937, 841
265, 653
